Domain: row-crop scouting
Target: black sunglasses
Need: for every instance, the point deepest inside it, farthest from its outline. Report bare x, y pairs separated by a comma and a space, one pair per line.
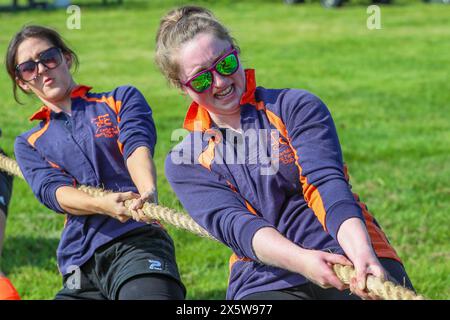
29, 70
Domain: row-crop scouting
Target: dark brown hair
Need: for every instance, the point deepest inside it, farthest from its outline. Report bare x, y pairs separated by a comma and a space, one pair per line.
180, 26
38, 32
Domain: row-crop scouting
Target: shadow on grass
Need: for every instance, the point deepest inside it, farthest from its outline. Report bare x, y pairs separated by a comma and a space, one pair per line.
20, 251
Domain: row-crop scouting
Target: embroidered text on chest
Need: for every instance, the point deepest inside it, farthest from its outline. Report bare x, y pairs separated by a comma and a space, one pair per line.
105, 128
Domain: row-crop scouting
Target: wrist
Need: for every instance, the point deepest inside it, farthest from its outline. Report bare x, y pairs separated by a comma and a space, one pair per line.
148, 191
356, 253
151, 195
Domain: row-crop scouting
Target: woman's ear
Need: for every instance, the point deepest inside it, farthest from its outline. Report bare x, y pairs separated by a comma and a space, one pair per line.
23, 85
68, 59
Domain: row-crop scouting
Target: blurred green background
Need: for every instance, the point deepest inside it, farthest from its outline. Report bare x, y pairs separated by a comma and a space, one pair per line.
387, 89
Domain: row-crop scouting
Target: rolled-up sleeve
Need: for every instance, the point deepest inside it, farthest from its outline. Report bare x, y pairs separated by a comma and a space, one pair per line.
312, 134
136, 126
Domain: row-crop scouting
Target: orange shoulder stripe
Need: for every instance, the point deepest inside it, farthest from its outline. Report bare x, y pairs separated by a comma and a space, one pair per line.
33, 138
310, 192
110, 102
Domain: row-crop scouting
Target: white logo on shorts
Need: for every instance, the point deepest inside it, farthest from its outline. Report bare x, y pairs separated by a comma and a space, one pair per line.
155, 265
2, 200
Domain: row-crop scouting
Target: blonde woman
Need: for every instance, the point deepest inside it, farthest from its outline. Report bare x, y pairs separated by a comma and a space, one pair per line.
287, 222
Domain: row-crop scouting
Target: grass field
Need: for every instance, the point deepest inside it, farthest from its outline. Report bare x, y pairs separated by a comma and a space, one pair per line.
387, 89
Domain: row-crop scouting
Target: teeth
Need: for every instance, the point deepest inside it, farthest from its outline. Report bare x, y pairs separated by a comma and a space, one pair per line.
225, 92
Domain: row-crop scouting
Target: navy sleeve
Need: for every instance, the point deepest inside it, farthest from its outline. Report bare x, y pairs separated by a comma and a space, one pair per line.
312, 134
215, 206
43, 179
136, 126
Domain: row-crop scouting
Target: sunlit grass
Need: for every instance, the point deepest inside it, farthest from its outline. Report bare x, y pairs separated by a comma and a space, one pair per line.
387, 90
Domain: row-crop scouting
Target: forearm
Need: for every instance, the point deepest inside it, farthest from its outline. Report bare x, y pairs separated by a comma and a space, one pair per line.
354, 238
77, 202
142, 170
273, 249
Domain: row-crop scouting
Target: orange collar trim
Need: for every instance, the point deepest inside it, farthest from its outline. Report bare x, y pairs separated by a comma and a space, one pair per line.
44, 112
80, 91
250, 88
198, 118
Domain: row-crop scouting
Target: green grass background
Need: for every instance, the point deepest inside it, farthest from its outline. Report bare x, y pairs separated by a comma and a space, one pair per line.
388, 91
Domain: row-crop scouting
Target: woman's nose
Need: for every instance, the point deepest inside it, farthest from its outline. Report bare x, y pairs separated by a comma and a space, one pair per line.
219, 80
41, 68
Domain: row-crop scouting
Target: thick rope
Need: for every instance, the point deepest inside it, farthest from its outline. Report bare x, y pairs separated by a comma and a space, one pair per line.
153, 211
384, 289
10, 166
158, 212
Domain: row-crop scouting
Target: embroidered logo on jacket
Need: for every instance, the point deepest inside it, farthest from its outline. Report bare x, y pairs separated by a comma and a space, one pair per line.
285, 153
105, 128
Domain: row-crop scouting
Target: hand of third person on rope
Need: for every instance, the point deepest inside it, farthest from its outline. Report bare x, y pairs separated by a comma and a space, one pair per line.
113, 204
138, 204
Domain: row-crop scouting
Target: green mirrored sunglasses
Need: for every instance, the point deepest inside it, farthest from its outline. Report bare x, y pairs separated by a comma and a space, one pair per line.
226, 65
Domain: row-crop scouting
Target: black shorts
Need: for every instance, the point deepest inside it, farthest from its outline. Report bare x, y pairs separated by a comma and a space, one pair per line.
311, 291
6, 183
148, 250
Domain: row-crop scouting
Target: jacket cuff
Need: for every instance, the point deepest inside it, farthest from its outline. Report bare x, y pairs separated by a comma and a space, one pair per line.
131, 146
50, 197
340, 212
248, 231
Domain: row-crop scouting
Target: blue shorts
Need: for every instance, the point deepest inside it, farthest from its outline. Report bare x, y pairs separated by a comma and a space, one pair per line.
145, 255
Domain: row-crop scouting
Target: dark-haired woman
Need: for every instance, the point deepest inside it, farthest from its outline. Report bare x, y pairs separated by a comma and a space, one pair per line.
97, 139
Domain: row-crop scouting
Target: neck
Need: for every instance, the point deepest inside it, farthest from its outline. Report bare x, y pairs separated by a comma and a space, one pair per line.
64, 104
231, 121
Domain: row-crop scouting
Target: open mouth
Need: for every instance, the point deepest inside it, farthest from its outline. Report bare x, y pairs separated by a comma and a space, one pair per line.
225, 93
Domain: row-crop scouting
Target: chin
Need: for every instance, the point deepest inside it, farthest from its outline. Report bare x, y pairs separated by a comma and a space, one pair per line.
54, 94
229, 107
